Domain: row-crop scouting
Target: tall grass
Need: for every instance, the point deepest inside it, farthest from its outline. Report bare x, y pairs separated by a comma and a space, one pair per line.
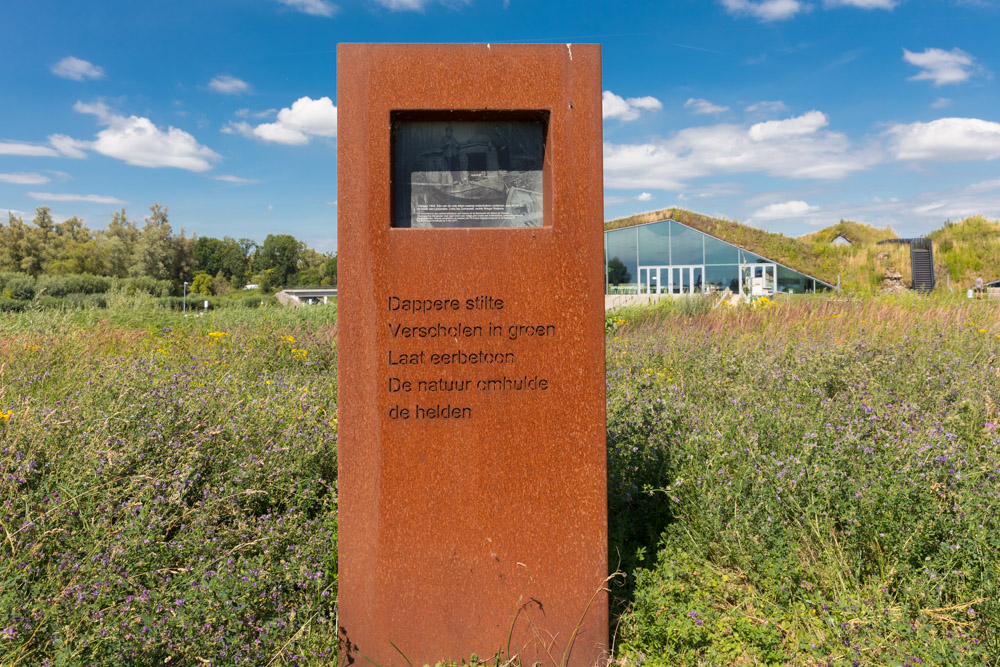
822, 479
813, 482
167, 488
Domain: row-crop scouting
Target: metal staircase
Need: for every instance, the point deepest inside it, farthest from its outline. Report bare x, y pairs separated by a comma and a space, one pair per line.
921, 262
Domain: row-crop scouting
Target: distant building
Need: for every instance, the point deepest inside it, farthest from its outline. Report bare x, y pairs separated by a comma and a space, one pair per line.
840, 239
252, 286
669, 257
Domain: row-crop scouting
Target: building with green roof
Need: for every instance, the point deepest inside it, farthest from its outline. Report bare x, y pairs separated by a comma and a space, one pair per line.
670, 257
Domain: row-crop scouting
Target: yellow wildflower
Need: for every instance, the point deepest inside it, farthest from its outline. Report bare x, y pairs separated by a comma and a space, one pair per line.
5, 417
288, 339
216, 335
982, 331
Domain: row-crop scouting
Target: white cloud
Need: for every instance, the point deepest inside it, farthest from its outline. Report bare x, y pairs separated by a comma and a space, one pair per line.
767, 106
922, 213
26, 150
784, 210
940, 103
405, 5
90, 199
68, 146
647, 103
229, 85
315, 117
764, 10
615, 106
76, 69
98, 108
24, 178
312, 7
807, 123
946, 139
798, 147
942, 67
137, 141
700, 106
296, 125
246, 113
644, 196
229, 178
862, 4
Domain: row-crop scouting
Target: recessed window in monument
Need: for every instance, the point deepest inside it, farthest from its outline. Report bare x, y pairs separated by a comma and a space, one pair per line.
468, 169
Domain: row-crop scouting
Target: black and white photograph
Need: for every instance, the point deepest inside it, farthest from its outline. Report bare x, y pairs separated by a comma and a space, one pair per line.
468, 173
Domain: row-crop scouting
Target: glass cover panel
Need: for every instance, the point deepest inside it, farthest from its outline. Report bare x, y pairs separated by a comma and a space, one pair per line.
654, 244
699, 279
468, 173
685, 245
623, 271
717, 252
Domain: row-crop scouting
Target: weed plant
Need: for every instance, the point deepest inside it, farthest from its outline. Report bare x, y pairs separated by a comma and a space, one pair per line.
167, 487
822, 478
810, 481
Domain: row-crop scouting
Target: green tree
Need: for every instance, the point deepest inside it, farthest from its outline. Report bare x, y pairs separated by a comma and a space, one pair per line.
118, 243
153, 254
208, 254
330, 270
202, 284
73, 249
12, 239
280, 253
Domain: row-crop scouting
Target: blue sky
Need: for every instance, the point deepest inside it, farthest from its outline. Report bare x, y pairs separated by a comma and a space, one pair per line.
786, 114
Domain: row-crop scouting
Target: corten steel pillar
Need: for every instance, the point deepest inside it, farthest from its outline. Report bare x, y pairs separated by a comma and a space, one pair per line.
472, 480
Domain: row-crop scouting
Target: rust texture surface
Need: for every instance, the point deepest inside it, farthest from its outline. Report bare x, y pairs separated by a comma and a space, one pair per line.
472, 514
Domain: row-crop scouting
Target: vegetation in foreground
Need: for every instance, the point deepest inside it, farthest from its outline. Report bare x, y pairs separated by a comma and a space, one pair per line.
826, 475
807, 483
168, 487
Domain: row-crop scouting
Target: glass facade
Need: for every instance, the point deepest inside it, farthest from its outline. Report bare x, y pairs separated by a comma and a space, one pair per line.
668, 257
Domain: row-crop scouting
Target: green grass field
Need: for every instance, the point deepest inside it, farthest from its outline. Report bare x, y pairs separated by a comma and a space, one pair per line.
815, 482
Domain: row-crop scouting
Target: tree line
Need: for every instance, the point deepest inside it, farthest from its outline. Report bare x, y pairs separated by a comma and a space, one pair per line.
128, 249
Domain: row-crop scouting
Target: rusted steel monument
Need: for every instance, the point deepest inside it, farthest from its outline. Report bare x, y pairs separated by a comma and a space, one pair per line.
472, 499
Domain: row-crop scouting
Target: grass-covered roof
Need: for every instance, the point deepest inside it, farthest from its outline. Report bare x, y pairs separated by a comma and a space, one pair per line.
963, 250
794, 253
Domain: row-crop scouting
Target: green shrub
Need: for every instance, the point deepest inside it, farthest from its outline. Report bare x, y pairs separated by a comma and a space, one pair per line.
54, 302
9, 276
156, 288
20, 287
8, 305
72, 284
